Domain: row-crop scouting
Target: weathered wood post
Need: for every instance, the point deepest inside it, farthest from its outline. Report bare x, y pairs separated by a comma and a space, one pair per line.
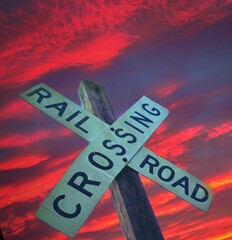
135, 214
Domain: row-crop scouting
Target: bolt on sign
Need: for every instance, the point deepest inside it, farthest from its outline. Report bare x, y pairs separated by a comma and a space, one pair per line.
111, 148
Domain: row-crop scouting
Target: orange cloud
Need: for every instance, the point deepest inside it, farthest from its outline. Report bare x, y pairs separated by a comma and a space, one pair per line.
222, 236
221, 182
146, 181
205, 229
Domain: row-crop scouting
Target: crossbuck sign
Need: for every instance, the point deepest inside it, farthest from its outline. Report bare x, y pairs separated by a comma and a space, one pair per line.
111, 148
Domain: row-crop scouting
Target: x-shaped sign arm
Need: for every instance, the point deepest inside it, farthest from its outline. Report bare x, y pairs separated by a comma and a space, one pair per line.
111, 148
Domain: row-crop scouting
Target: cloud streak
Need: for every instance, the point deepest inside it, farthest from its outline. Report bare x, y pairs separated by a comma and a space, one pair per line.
89, 35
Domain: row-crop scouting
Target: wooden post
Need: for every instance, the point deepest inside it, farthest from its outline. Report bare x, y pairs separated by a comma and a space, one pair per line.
136, 217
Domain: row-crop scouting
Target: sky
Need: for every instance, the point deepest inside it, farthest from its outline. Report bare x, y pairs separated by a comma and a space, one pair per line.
177, 53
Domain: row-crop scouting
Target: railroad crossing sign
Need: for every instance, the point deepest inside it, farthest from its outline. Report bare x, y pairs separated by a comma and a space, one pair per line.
111, 148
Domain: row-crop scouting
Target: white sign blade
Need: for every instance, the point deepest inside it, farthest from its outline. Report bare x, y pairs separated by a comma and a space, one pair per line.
172, 178
65, 111
77, 193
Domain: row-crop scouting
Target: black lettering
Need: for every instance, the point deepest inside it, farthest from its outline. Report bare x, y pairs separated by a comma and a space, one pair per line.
141, 119
195, 191
80, 187
137, 129
73, 116
113, 146
184, 183
170, 177
98, 165
78, 124
153, 111
63, 213
133, 139
40, 91
152, 165
59, 106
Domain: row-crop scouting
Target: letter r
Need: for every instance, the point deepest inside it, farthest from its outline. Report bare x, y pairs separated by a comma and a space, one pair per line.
154, 163
80, 187
41, 92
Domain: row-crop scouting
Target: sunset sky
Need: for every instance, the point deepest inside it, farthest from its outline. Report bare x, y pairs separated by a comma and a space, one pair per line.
177, 53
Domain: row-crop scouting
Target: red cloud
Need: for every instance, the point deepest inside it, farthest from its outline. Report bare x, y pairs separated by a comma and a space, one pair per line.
107, 221
18, 225
17, 109
36, 188
198, 98
22, 162
18, 140
162, 203
165, 90
174, 145
222, 129
181, 102
52, 35
41, 185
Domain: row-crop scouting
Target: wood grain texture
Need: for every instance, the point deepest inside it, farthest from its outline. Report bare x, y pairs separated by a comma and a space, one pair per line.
135, 213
